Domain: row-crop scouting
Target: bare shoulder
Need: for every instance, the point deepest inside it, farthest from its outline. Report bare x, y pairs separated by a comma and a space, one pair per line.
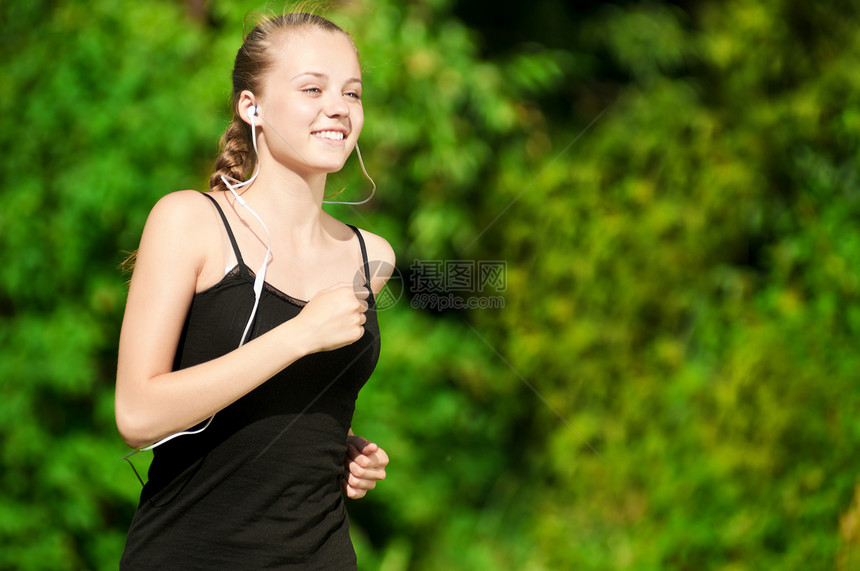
378, 248
178, 224
182, 205
183, 214
381, 258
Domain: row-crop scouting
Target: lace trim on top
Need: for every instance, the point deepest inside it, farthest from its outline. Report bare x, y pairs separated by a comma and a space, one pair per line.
242, 270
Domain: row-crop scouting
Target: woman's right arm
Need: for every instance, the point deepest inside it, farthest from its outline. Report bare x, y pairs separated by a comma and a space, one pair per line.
152, 401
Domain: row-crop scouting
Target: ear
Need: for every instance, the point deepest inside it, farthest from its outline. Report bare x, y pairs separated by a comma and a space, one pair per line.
247, 102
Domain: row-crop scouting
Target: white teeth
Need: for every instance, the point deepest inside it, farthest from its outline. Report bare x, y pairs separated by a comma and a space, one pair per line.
333, 135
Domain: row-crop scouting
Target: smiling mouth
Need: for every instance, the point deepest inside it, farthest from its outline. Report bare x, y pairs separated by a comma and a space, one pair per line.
331, 135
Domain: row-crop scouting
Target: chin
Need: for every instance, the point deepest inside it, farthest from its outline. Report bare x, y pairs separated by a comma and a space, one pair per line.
319, 167
331, 166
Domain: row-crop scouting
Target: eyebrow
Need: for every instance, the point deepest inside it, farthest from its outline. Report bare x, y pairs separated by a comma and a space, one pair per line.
324, 76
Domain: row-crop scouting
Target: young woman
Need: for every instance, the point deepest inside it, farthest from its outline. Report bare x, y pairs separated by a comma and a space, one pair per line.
218, 341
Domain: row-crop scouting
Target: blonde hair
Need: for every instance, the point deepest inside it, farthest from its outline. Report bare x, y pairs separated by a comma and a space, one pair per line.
256, 57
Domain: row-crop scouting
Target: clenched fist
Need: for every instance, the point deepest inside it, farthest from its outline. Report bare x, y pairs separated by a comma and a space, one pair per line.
335, 317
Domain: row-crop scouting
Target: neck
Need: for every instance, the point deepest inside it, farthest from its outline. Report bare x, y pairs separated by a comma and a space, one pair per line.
291, 200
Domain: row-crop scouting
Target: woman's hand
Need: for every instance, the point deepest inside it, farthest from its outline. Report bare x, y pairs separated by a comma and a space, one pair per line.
365, 465
335, 317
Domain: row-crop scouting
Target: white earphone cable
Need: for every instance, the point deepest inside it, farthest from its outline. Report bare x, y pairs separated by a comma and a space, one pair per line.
364, 170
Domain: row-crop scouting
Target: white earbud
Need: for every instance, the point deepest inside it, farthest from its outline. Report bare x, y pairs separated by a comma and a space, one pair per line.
252, 113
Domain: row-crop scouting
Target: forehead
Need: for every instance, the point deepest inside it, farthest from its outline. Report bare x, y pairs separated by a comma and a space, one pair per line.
319, 51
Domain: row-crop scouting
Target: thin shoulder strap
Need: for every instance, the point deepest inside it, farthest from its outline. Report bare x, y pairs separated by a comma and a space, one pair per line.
364, 259
229, 230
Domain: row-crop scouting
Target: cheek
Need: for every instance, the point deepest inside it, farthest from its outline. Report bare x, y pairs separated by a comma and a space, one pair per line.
357, 119
303, 109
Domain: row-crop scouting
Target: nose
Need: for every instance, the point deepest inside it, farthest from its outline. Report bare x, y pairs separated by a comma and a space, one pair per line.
335, 106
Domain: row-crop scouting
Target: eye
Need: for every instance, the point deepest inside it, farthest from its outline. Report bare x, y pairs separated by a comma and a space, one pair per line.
312, 90
355, 95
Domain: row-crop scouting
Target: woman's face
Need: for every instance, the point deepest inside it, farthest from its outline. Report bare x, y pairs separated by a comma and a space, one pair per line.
310, 107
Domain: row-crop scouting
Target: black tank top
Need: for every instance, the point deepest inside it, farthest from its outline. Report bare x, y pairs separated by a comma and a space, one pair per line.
260, 488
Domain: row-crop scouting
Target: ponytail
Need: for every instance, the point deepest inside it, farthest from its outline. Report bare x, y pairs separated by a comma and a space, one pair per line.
237, 158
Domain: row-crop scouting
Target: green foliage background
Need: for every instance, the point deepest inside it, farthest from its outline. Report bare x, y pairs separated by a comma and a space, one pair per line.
672, 382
